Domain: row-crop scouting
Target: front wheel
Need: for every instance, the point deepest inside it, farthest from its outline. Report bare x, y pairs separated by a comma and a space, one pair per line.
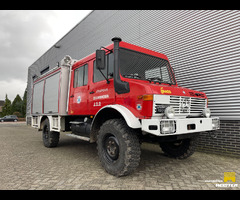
118, 147
180, 149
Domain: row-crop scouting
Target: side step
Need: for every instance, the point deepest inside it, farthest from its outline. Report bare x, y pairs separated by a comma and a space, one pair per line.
79, 137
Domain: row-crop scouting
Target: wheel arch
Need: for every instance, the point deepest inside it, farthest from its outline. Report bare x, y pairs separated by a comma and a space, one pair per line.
111, 112
42, 119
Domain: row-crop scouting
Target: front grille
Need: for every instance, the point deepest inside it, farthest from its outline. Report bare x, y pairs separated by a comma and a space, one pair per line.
187, 106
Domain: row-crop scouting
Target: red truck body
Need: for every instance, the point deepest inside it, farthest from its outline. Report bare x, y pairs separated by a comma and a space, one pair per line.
120, 91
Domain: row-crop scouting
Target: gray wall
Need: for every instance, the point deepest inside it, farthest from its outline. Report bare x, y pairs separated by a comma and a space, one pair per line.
203, 47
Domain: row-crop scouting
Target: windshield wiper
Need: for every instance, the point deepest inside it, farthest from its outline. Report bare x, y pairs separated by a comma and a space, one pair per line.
154, 79
157, 80
132, 76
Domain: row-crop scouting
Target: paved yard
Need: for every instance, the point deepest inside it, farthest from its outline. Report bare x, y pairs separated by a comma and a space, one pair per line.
26, 164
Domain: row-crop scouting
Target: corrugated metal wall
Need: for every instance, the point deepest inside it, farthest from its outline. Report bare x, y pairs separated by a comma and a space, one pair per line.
203, 47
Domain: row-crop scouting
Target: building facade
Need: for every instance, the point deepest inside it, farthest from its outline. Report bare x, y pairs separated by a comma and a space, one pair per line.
203, 48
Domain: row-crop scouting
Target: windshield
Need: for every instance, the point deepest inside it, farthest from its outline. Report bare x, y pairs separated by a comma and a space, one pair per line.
146, 67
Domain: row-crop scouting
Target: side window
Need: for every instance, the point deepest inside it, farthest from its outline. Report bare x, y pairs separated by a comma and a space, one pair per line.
108, 71
85, 78
81, 76
97, 76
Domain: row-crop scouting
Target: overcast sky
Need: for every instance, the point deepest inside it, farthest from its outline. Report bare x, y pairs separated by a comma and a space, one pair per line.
25, 35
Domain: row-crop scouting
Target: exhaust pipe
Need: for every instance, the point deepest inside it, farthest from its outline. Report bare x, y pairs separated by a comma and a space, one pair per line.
121, 87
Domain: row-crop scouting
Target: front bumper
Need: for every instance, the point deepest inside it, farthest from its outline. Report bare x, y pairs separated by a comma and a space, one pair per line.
164, 127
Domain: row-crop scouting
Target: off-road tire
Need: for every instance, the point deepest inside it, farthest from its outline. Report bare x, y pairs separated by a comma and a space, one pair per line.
180, 149
118, 147
50, 138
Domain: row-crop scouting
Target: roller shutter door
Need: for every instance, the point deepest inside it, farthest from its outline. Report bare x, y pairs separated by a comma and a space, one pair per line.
51, 94
37, 98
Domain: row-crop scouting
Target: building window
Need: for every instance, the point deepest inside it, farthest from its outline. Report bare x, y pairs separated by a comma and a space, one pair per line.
34, 77
45, 70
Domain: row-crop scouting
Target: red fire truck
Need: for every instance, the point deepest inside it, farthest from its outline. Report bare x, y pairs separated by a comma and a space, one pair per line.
120, 96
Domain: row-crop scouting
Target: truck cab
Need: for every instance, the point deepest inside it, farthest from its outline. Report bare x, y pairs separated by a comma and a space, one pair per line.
120, 96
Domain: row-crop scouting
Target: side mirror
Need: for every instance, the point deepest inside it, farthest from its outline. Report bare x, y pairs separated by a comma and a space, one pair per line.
100, 59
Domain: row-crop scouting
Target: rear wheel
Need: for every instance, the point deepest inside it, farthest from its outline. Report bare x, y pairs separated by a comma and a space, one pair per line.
180, 149
118, 147
50, 138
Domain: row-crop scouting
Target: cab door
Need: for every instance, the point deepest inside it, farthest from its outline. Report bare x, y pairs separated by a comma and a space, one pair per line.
78, 96
101, 93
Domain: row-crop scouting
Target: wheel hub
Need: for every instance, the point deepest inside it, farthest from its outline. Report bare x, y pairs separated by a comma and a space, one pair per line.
112, 147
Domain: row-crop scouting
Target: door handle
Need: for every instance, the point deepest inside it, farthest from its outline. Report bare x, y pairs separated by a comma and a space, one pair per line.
92, 92
71, 96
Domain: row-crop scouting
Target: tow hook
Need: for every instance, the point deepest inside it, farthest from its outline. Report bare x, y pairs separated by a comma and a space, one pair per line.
213, 134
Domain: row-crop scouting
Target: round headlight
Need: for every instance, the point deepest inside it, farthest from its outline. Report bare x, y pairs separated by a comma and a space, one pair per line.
170, 112
206, 112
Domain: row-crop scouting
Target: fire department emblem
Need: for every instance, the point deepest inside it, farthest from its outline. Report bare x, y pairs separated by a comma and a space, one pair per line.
78, 99
139, 107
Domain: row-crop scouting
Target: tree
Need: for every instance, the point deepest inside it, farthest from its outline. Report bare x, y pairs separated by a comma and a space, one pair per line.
17, 104
24, 103
7, 108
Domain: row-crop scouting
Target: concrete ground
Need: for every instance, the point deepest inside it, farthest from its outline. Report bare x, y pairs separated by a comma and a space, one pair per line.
74, 165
